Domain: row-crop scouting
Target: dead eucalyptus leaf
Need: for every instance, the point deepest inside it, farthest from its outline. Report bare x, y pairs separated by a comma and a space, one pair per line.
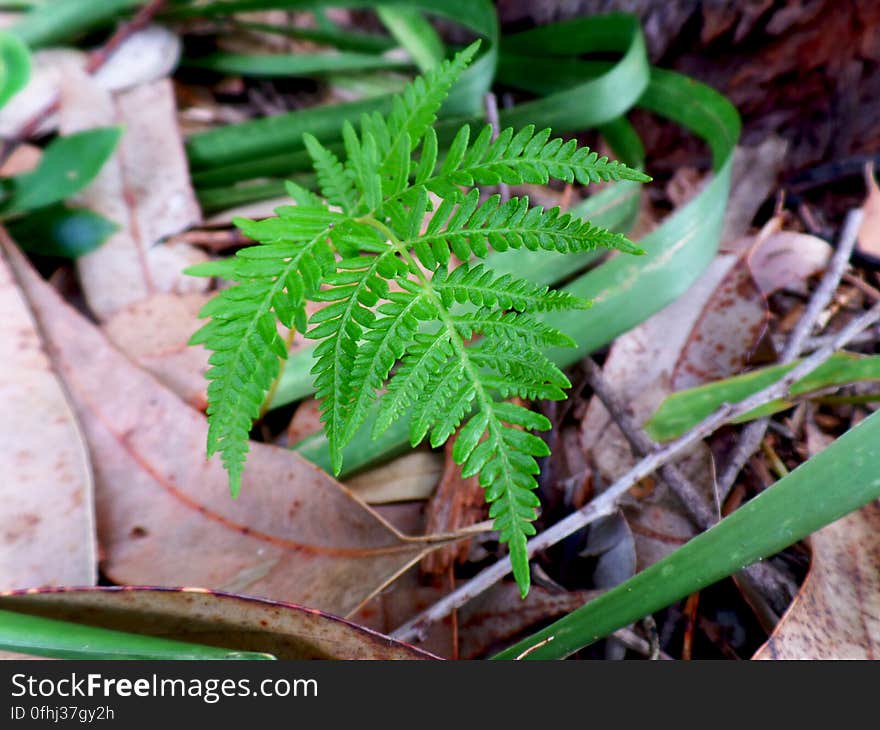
836, 615
412, 476
154, 333
204, 617
164, 513
47, 522
145, 188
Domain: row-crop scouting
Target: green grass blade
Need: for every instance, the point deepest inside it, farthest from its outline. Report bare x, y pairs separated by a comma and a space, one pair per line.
46, 637
684, 409
415, 34
60, 20
837, 481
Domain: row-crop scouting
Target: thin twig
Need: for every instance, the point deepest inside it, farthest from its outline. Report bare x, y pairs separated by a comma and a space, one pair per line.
752, 435
642, 445
699, 508
96, 60
606, 503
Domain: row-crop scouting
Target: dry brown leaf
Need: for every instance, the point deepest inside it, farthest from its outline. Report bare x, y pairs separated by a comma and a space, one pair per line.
836, 615
145, 188
412, 476
47, 523
730, 325
165, 516
215, 619
154, 333
457, 503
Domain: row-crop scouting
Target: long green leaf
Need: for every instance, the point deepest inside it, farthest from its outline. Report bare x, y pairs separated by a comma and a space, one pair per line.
39, 636
837, 481
684, 409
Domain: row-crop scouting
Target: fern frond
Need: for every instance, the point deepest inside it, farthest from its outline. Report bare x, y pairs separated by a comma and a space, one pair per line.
335, 182
448, 344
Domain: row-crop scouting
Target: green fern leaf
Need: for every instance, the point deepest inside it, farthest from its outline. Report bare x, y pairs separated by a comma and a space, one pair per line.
444, 344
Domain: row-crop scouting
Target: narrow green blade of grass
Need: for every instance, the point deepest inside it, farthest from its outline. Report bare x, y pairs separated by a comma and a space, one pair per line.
415, 34
39, 636
67, 165
684, 409
61, 20
837, 481
290, 65
15, 66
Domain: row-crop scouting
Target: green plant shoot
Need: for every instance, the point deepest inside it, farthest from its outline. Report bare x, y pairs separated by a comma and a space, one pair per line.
409, 318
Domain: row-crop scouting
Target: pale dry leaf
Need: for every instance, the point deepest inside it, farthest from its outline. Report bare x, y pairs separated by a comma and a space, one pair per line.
786, 260
145, 56
754, 177
412, 476
145, 188
836, 614
155, 332
47, 523
24, 158
164, 513
869, 231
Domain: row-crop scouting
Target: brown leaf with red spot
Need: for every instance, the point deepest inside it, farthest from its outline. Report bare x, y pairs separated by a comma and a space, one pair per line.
836, 615
193, 615
47, 522
164, 513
